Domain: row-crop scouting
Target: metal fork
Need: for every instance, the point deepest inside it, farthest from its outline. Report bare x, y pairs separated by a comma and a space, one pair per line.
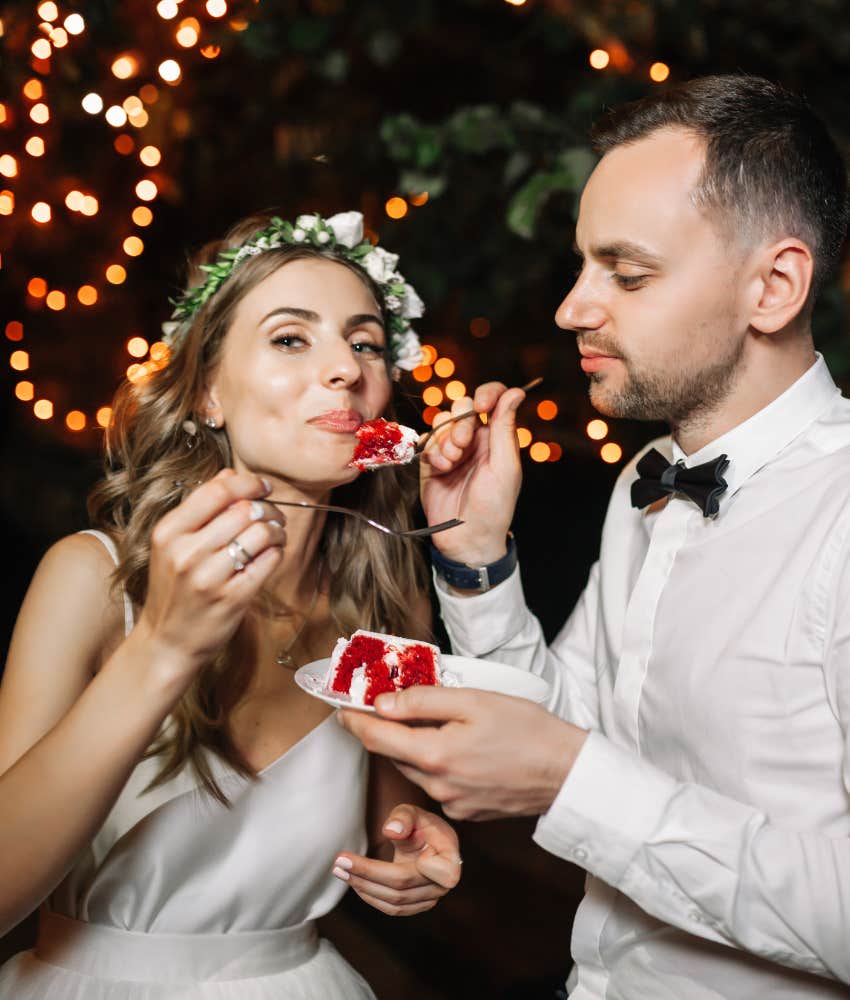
411, 533
423, 441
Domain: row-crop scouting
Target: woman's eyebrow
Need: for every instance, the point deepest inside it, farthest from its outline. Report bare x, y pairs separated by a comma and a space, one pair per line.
306, 314
362, 318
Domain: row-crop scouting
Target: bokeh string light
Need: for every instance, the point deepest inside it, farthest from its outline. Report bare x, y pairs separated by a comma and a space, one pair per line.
53, 30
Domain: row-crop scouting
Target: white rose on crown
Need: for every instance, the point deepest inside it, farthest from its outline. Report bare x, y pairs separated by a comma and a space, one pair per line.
347, 228
306, 222
407, 351
380, 264
412, 307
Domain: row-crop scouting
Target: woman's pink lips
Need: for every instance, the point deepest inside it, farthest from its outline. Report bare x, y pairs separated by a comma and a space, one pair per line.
593, 362
338, 421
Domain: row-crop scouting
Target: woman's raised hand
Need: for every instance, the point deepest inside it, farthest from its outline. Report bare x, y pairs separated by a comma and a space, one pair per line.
209, 557
472, 471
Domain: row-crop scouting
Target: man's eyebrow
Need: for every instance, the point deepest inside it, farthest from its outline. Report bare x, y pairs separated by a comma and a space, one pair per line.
625, 250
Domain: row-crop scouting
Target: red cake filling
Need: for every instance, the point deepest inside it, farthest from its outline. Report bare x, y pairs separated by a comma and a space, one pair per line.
377, 441
362, 649
386, 665
416, 666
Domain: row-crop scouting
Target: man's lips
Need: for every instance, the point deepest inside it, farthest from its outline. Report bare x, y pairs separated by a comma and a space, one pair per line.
593, 361
338, 421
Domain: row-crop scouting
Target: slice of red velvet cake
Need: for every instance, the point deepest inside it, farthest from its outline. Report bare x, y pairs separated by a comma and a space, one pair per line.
370, 663
383, 442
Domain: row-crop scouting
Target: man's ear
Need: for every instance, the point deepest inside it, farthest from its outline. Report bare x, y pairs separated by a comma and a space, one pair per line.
783, 280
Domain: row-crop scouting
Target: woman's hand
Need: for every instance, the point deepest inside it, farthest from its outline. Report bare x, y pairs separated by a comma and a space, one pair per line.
472, 471
425, 866
197, 594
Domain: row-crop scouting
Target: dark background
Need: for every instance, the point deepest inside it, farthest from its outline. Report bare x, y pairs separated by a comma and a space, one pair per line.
327, 106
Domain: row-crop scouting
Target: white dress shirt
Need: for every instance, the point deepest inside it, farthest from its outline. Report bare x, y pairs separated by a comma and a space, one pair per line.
710, 658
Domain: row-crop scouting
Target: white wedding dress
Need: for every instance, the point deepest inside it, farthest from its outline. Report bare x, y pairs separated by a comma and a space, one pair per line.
181, 897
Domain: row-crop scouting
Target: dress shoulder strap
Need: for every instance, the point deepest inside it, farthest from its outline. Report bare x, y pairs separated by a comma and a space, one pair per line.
109, 545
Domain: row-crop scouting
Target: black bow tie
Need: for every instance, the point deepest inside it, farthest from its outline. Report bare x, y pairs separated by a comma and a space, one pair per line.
703, 483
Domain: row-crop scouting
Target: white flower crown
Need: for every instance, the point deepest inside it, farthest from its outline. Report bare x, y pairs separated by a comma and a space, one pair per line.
343, 235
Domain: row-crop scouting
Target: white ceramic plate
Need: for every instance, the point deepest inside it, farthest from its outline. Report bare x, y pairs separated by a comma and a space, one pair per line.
486, 675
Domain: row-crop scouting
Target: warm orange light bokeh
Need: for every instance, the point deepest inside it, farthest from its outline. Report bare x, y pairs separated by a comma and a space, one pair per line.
396, 208
142, 215
430, 414
75, 420
444, 367
455, 390
429, 354
658, 72
597, 430
599, 59
14, 330
524, 436
124, 144
146, 190
43, 409
137, 347
423, 373
19, 361
55, 300
25, 391
479, 327
150, 156
418, 199
115, 274
547, 409
37, 288
432, 395
41, 212
103, 416
35, 145
33, 89
87, 294
133, 246
611, 452
540, 451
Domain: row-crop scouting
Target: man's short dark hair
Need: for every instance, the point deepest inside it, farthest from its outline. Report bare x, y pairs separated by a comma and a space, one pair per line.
771, 167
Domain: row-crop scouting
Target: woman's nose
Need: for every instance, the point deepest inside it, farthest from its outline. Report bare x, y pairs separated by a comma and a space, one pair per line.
340, 367
581, 308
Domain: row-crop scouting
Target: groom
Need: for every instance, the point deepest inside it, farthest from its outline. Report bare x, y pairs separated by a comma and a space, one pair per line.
696, 761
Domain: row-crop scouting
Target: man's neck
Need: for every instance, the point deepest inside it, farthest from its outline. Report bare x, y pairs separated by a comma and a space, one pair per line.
767, 370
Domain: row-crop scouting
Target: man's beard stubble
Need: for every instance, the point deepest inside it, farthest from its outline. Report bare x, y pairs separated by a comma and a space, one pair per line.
685, 397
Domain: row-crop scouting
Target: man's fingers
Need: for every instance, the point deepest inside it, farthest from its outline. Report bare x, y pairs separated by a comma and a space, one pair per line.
390, 739
436, 704
504, 447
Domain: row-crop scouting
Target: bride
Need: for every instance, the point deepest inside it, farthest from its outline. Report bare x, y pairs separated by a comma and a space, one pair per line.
181, 810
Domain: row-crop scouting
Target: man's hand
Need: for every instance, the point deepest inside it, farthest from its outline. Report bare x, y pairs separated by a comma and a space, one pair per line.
425, 866
485, 755
472, 471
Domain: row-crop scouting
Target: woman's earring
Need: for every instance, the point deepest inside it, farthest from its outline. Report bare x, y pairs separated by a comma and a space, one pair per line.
210, 422
191, 429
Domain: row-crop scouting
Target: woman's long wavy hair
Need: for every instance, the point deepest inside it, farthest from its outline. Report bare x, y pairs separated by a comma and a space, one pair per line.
374, 581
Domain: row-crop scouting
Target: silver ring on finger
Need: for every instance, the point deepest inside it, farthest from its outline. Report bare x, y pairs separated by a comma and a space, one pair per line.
239, 554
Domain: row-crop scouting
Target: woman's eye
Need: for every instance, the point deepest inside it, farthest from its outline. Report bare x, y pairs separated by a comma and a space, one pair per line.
289, 340
367, 347
629, 281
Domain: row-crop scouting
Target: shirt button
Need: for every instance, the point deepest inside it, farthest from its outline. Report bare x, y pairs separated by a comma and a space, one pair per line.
580, 854
697, 916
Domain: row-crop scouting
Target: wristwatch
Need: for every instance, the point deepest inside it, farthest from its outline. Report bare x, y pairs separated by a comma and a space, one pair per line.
477, 578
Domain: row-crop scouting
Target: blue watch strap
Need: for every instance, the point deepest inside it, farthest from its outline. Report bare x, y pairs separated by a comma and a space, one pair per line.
480, 578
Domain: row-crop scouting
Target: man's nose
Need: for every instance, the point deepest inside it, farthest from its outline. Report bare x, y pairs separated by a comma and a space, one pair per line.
581, 308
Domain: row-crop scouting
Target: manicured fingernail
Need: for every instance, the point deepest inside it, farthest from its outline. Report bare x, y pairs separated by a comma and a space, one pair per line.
387, 702
257, 510
394, 826
343, 862
341, 874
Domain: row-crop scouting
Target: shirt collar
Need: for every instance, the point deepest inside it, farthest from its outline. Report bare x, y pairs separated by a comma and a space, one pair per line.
756, 441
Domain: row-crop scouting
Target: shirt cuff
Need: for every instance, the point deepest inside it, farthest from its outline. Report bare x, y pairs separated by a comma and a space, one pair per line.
483, 622
609, 806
